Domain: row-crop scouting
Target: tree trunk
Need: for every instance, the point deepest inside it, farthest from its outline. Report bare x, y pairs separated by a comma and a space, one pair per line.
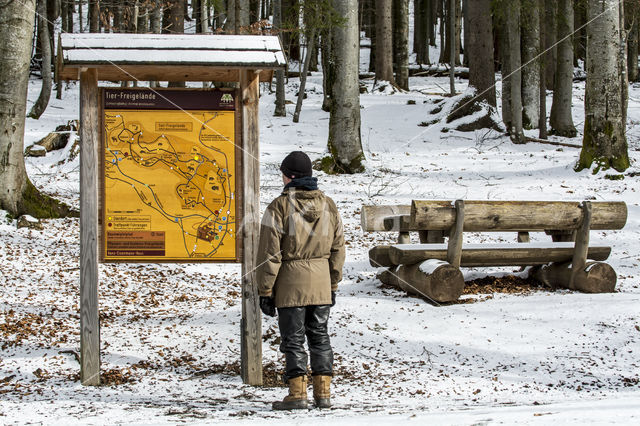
505, 71
16, 32
480, 42
372, 30
243, 13
515, 78
561, 119
604, 142
142, 26
328, 67
531, 64
550, 42
155, 21
94, 16
173, 18
631, 18
290, 20
542, 116
451, 32
422, 28
344, 142
80, 16
64, 12
280, 110
303, 74
230, 24
452, 46
384, 43
580, 30
401, 42
45, 50
465, 34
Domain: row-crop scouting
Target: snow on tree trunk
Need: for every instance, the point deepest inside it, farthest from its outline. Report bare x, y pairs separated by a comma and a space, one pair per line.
480, 42
344, 142
531, 64
604, 141
16, 31
401, 42
45, 50
561, 119
384, 44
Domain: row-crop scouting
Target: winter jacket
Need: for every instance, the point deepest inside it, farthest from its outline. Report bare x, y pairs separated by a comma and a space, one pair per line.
301, 250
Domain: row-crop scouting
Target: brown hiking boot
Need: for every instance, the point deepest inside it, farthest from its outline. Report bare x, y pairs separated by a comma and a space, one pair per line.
321, 391
297, 398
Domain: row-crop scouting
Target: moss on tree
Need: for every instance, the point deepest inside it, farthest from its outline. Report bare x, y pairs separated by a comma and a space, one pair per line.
590, 154
42, 206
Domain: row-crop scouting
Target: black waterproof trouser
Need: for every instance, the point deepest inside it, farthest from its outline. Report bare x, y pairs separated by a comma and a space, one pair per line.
294, 324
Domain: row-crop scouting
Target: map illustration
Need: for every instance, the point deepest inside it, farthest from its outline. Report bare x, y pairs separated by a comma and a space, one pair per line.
169, 185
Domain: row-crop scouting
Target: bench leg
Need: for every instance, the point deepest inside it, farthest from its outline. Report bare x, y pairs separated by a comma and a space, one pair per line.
594, 277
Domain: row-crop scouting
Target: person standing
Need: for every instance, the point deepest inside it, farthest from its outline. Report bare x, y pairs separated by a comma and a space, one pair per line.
300, 258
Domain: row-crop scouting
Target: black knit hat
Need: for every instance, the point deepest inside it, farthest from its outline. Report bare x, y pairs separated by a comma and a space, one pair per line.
296, 164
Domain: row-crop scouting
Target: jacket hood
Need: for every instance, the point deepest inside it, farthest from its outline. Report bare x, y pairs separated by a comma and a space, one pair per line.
310, 204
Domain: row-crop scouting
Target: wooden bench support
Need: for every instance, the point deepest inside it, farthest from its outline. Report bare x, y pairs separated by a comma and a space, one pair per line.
594, 277
434, 279
522, 254
454, 248
379, 256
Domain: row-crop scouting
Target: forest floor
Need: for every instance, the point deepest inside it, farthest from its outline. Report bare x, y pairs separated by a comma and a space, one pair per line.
509, 352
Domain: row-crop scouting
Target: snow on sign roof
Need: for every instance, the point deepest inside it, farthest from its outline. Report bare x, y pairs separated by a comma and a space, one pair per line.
174, 57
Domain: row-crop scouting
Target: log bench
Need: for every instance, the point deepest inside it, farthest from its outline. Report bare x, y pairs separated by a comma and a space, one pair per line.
432, 268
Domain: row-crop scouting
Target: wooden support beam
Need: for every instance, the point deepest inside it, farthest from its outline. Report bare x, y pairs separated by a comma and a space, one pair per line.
594, 277
431, 237
523, 237
454, 248
89, 319
404, 238
251, 324
379, 256
433, 279
372, 217
522, 254
579, 260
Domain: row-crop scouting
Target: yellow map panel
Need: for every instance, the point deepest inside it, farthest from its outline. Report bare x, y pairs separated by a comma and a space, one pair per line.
169, 185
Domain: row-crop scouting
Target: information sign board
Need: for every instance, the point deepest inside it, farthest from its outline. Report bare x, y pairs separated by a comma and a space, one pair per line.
168, 182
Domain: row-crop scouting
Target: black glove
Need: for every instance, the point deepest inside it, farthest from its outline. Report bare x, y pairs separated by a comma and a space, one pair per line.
268, 306
333, 298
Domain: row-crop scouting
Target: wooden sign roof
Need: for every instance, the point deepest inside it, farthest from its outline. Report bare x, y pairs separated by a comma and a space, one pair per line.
168, 57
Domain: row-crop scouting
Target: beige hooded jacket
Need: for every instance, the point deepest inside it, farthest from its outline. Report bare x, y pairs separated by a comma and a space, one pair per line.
301, 251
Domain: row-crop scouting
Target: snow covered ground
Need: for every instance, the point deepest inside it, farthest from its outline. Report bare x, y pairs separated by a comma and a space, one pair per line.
170, 333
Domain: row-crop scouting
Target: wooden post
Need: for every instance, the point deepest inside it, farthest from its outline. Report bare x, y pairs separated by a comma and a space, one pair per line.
431, 237
89, 320
454, 249
251, 324
523, 237
404, 238
582, 243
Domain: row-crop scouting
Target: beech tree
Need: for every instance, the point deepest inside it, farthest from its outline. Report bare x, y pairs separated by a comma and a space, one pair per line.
384, 41
480, 42
530, 63
45, 68
561, 120
345, 145
17, 193
604, 143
